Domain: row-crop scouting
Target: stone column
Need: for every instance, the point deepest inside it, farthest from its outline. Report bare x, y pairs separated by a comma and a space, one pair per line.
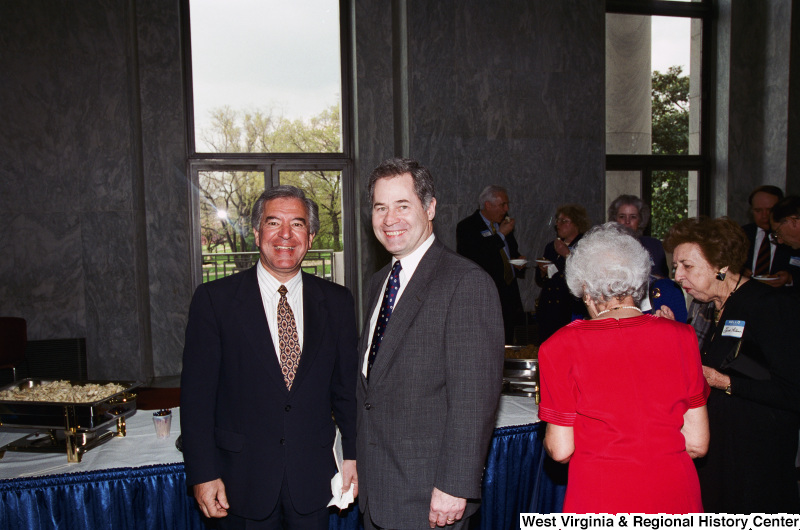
628, 97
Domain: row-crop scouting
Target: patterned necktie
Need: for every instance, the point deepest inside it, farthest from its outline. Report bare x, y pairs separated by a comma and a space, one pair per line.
508, 274
762, 261
389, 297
288, 339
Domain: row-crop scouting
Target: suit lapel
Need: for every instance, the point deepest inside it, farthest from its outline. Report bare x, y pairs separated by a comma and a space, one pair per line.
314, 321
406, 310
254, 324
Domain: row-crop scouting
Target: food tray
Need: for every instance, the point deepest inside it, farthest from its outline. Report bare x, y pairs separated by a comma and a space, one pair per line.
82, 416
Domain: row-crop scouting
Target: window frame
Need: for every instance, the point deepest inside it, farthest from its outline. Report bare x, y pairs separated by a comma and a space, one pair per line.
273, 163
646, 164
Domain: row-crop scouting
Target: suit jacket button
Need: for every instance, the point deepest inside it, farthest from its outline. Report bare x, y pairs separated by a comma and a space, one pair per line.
367, 406
288, 408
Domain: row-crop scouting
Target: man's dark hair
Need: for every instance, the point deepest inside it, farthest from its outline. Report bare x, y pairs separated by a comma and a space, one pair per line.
767, 188
394, 167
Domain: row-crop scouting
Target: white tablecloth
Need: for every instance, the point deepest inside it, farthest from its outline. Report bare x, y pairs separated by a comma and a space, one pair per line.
141, 447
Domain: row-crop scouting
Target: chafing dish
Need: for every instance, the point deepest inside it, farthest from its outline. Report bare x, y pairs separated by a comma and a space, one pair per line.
521, 388
528, 368
64, 426
521, 378
531, 351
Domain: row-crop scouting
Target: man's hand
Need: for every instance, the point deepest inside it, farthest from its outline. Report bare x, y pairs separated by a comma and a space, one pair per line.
445, 509
506, 225
349, 475
211, 498
783, 277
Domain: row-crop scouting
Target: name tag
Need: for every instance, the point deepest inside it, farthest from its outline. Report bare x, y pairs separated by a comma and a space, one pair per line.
486, 233
733, 328
795, 261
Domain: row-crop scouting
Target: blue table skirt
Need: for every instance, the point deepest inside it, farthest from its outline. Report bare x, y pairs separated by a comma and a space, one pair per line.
517, 479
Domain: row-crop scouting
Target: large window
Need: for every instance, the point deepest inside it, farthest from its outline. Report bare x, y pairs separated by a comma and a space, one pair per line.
266, 87
657, 106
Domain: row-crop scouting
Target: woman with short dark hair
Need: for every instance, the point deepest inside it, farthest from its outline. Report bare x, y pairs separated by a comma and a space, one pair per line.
556, 307
751, 362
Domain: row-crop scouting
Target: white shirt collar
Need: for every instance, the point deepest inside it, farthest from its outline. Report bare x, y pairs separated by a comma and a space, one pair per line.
269, 284
411, 261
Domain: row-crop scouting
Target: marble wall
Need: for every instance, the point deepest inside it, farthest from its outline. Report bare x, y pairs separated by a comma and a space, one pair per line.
498, 93
94, 228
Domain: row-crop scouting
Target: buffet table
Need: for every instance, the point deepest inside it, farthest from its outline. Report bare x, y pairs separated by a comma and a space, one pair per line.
138, 481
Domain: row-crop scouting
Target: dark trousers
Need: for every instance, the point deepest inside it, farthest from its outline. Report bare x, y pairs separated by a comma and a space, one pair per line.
283, 517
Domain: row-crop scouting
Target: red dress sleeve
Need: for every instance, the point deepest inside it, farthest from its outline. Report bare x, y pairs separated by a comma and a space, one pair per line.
557, 389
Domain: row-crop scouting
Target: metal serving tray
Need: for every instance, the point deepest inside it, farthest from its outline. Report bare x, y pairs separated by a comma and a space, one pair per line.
50, 414
73, 427
521, 368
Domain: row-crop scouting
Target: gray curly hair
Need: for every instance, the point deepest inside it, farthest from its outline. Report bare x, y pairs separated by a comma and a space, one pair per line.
608, 262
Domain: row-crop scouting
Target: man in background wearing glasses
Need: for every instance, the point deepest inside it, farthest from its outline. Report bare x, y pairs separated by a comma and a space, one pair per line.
785, 220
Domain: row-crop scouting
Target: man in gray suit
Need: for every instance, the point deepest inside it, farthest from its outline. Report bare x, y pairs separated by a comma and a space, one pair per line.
431, 365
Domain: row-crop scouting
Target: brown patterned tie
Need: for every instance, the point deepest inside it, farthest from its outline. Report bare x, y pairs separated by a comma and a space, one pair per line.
288, 340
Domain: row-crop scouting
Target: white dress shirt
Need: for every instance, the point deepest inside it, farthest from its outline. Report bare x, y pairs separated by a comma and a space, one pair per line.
409, 265
268, 286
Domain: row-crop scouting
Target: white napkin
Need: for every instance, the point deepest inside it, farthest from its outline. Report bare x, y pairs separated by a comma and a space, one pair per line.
552, 270
341, 500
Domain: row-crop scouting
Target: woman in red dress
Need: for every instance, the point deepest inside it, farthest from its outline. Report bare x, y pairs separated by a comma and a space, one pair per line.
623, 393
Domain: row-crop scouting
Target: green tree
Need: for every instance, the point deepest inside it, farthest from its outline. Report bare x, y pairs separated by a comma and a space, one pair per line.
235, 192
670, 189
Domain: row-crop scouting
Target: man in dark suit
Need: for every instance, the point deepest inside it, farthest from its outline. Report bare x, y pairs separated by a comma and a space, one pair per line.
270, 356
765, 259
487, 238
431, 365
785, 221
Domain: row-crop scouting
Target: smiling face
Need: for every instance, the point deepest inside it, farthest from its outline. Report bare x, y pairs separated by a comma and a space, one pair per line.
399, 220
696, 275
283, 238
628, 215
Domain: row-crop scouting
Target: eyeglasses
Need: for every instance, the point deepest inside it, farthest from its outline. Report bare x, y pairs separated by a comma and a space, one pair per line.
563, 220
